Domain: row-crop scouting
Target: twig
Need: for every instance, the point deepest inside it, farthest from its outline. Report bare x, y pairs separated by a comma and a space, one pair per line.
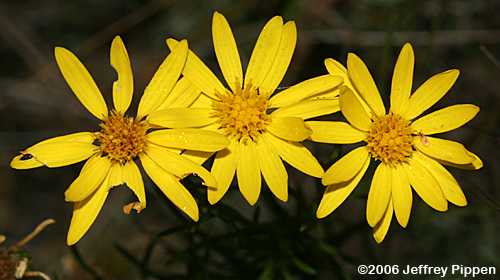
84, 264
490, 56
22, 41
37, 274
121, 25
425, 38
152, 244
489, 201
32, 235
480, 193
145, 270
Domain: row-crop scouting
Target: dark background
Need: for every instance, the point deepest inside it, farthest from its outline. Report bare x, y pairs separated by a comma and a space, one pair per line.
233, 240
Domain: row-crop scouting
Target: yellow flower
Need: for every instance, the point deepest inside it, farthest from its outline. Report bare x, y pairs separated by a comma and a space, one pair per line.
260, 139
399, 141
110, 152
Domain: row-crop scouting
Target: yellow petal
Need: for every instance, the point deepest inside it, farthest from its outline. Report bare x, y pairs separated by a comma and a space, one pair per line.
273, 170
264, 52
57, 151
133, 178
474, 165
163, 80
305, 89
308, 109
203, 101
477, 163
25, 161
289, 128
248, 172
171, 187
183, 95
62, 154
379, 196
346, 168
402, 196
402, 80
328, 95
198, 157
295, 154
336, 68
123, 88
80, 137
281, 60
177, 165
430, 92
353, 110
336, 194
381, 229
446, 119
189, 139
182, 117
81, 82
451, 190
93, 173
445, 150
363, 82
115, 177
334, 132
85, 212
227, 52
425, 185
223, 170
199, 74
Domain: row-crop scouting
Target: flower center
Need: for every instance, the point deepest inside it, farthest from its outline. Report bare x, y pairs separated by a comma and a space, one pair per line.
390, 139
242, 115
121, 138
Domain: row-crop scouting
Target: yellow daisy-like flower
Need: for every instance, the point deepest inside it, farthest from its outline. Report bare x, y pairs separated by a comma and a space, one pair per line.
399, 141
110, 152
263, 130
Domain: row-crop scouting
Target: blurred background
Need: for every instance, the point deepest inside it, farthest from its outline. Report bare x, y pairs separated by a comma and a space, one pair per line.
272, 240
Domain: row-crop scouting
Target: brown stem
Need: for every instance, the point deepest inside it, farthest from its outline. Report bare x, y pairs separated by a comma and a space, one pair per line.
37, 274
32, 235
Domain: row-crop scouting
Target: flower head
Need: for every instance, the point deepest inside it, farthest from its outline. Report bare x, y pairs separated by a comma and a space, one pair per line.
397, 140
264, 128
112, 151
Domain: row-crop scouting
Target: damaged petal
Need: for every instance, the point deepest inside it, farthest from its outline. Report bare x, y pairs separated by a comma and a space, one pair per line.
25, 161
26, 156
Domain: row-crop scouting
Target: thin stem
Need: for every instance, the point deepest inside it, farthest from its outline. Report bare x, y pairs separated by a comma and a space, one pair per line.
84, 264
32, 235
37, 274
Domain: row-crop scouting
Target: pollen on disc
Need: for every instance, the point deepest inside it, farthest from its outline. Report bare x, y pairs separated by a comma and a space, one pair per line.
242, 115
121, 138
390, 139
